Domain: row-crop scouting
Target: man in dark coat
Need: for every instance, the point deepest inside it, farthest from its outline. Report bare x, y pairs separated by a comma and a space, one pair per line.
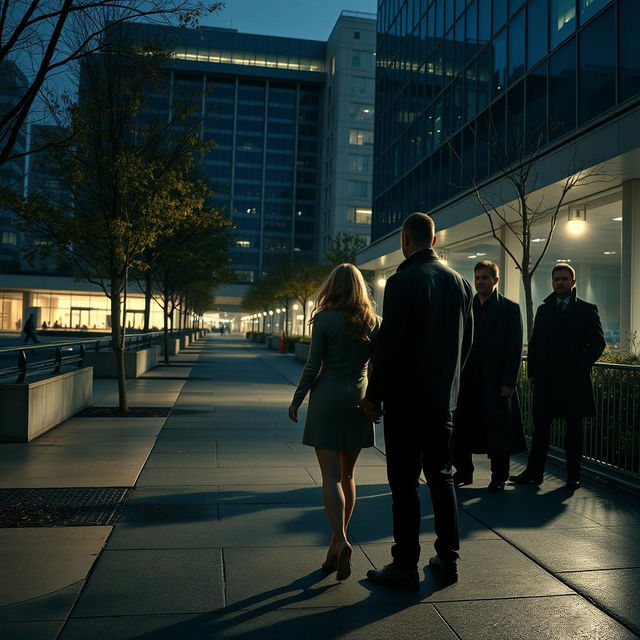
488, 418
566, 341
424, 338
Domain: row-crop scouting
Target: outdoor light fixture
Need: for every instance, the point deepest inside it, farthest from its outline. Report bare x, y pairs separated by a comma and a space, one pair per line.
382, 282
295, 307
310, 303
577, 220
443, 256
264, 313
270, 312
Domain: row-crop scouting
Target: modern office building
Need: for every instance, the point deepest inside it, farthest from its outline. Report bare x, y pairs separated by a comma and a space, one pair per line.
567, 70
292, 122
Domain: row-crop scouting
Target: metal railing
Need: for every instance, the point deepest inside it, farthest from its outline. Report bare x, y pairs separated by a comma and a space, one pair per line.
53, 356
612, 436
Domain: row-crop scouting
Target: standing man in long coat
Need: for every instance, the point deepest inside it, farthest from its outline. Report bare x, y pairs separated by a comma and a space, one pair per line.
566, 341
424, 339
488, 418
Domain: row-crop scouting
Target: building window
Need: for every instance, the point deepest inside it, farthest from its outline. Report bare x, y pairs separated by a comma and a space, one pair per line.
244, 275
361, 112
362, 59
361, 137
358, 215
589, 8
8, 237
537, 45
629, 16
562, 90
362, 86
563, 20
359, 164
358, 189
356, 35
243, 244
597, 84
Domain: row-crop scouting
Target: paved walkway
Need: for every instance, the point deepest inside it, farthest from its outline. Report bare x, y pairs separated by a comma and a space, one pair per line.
225, 533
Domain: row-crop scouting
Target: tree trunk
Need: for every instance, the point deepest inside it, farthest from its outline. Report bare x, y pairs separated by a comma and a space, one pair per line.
528, 302
117, 333
304, 317
165, 329
147, 300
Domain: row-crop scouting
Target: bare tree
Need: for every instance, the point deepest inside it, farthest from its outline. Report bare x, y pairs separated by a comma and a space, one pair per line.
45, 37
513, 202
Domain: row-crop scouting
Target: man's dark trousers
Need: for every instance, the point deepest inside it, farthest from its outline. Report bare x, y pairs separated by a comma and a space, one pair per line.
542, 438
414, 444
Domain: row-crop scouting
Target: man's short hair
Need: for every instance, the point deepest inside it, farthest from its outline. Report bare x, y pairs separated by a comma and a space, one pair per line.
491, 266
563, 266
420, 228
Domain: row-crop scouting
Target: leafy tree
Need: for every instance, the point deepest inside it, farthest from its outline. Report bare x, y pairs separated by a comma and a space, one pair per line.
343, 247
126, 178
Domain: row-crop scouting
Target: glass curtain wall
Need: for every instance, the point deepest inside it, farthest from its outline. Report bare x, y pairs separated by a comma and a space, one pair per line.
447, 69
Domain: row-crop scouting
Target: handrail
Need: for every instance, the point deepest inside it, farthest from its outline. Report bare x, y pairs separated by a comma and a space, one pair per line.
25, 367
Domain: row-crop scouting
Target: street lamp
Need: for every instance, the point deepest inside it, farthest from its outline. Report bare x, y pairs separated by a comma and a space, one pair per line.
577, 219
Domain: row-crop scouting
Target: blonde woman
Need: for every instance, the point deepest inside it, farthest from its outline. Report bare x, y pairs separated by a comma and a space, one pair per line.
344, 327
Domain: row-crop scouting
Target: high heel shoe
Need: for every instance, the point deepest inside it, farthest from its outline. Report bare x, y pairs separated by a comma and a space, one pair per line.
344, 562
331, 563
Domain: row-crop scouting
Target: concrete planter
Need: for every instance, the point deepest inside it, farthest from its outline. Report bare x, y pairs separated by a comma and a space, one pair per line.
174, 347
249, 335
30, 409
259, 338
184, 341
273, 342
135, 362
302, 351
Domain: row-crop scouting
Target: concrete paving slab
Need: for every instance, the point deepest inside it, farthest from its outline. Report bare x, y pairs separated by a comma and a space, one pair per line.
95, 476
271, 494
185, 477
30, 630
257, 459
175, 495
55, 605
39, 561
488, 569
539, 618
575, 549
615, 590
272, 526
609, 511
167, 527
363, 474
153, 582
158, 460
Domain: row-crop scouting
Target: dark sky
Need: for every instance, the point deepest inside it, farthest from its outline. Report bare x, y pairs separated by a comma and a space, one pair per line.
312, 19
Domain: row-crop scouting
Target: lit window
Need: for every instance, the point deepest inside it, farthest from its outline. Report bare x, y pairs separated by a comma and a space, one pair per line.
8, 237
358, 215
360, 137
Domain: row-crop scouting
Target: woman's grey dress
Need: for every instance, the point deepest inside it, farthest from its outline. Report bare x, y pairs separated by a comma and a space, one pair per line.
336, 374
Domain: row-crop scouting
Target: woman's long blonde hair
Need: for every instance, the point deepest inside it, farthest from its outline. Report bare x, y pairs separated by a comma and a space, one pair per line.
346, 290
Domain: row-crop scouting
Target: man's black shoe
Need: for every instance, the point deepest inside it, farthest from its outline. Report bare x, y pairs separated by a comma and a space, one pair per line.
392, 576
447, 570
526, 477
573, 485
462, 478
495, 486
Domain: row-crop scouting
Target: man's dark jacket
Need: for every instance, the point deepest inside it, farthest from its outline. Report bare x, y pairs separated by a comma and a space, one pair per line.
426, 332
563, 347
499, 341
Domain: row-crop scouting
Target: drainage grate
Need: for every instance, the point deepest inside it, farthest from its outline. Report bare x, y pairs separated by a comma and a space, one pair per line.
68, 507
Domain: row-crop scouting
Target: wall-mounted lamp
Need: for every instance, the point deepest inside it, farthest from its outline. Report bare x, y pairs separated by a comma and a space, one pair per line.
381, 282
443, 256
577, 219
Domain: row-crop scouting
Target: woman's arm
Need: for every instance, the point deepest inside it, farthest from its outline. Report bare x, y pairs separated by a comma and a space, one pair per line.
314, 362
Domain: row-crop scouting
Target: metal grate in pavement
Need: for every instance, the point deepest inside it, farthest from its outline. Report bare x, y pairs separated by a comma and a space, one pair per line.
66, 507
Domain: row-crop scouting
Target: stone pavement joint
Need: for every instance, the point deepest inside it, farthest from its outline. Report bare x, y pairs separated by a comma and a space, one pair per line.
225, 531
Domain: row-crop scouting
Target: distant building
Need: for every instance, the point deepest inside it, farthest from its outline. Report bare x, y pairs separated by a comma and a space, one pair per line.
292, 122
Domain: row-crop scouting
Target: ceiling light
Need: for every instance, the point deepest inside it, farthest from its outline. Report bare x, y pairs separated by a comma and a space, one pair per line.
481, 254
577, 220
563, 260
618, 219
473, 255
538, 240
610, 253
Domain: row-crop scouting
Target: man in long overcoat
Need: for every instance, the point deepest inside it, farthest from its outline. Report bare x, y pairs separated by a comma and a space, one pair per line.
423, 341
488, 418
566, 341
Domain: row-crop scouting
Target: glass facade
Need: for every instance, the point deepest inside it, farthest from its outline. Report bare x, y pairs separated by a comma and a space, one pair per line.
445, 68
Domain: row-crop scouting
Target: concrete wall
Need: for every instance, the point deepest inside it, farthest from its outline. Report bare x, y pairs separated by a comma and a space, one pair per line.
30, 409
135, 362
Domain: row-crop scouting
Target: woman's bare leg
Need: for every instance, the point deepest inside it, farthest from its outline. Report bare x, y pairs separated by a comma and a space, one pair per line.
333, 496
348, 459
